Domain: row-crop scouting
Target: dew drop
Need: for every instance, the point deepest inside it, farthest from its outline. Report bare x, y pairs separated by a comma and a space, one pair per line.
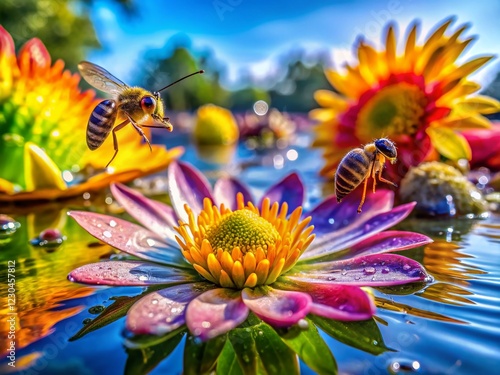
143, 278
385, 270
87, 321
344, 272
96, 309
206, 324
406, 267
370, 270
154, 302
303, 324
150, 242
112, 223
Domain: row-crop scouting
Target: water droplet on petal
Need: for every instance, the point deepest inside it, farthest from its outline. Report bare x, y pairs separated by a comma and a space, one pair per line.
370, 270
112, 223
154, 302
143, 278
386, 270
406, 267
344, 272
150, 242
206, 324
107, 234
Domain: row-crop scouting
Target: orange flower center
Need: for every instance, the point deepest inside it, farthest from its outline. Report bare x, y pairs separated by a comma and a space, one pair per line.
246, 247
393, 110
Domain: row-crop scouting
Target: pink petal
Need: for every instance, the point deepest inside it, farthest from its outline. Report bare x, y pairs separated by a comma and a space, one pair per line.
277, 307
370, 270
289, 190
129, 237
349, 236
163, 311
186, 185
225, 191
484, 156
129, 273
145, 211
335, 301
330, 216
386, 242
215, 312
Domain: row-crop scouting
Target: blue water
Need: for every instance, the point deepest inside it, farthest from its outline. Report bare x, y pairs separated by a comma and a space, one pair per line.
451, 326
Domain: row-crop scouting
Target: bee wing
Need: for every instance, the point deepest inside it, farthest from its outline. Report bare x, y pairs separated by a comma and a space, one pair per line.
100, 78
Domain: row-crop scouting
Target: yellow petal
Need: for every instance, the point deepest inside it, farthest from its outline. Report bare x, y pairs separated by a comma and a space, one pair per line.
330, 99
480, 104
40, 171
7, 187
390, 47
469, 122
436, 35
469, 67
449, 144
410, 45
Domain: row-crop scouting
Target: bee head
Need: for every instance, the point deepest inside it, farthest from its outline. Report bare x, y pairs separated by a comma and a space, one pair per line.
148, 104
386, 148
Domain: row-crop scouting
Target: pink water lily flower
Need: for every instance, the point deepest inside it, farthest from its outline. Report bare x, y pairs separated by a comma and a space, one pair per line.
220, 256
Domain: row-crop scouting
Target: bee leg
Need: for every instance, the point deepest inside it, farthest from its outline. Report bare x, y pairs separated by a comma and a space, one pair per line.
374, 174
364, 188
137, 127
380, 178
115, 140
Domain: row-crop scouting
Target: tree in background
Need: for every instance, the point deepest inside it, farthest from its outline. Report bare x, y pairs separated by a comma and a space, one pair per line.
159, 67
304, 74
62, 25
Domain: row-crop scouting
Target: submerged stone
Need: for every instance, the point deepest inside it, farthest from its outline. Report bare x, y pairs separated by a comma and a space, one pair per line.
441, 190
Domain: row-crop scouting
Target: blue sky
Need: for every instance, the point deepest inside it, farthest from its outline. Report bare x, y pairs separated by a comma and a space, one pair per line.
252, 34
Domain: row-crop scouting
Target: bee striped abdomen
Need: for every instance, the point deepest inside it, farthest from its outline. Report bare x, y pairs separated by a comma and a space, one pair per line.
100, 123
351, 171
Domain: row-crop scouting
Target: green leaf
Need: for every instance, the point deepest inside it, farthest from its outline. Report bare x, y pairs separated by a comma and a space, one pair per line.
143, 360
310, 347
364, 335
275, 355
110, 314
245, 349
146, 341
227, 363
201, 357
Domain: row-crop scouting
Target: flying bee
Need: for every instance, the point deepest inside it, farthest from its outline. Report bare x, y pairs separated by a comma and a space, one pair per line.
131, 105
361, 163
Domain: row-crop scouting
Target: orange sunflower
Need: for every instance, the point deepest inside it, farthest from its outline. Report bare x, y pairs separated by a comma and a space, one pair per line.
419, 97
43, 119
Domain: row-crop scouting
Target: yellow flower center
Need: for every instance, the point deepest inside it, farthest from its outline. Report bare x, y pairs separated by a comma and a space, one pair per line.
244, 229
244, 248
394, 110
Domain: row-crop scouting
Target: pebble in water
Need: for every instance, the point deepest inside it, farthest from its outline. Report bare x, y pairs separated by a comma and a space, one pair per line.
50, 238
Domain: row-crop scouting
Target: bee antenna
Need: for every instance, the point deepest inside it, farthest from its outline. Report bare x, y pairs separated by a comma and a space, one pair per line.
180, 79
